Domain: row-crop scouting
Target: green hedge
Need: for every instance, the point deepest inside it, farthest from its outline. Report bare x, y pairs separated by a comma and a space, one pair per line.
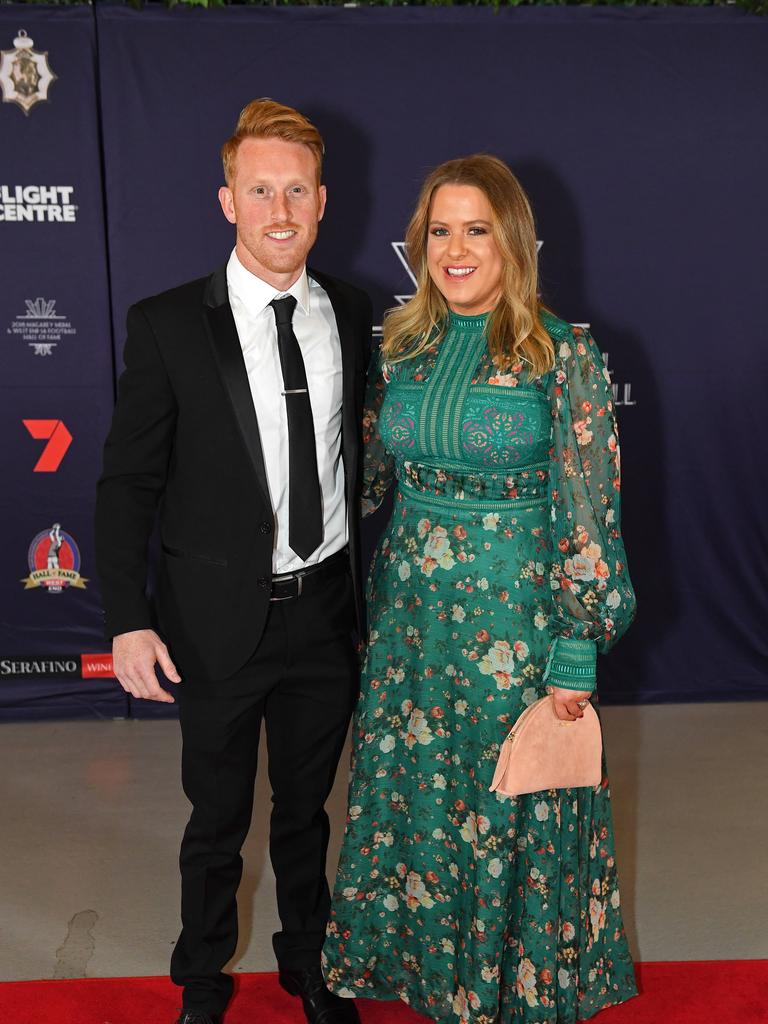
752, 6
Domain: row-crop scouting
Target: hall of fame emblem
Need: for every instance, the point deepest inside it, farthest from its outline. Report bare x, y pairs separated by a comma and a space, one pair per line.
25, 75
54, 562
41, 327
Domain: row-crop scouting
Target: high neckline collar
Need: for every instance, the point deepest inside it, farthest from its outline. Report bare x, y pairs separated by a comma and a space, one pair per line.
473, 322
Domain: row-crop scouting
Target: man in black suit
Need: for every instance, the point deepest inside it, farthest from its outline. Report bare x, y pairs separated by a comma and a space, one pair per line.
237, 426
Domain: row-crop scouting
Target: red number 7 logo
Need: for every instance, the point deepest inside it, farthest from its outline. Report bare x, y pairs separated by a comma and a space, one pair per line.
59, 439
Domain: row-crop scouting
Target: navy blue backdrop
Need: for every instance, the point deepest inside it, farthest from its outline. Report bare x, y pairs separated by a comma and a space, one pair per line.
640, 136
56, 368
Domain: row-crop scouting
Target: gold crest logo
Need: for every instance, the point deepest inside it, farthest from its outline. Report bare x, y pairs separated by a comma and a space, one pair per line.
25, 75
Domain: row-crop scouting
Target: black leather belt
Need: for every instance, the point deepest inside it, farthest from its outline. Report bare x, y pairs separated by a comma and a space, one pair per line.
289, 585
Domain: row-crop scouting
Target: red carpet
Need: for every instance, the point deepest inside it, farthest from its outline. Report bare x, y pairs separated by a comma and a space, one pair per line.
705, 992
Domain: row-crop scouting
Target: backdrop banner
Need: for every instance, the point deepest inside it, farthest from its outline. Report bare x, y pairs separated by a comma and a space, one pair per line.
56, 371
639, 135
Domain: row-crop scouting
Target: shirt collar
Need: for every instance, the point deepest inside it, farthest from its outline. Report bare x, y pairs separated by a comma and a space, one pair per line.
255, 294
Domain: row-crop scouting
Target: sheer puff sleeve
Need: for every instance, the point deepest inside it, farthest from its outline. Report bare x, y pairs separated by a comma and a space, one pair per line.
593, 599
378, 464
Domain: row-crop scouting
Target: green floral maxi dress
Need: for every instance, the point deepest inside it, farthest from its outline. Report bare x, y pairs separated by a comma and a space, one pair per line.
502, 568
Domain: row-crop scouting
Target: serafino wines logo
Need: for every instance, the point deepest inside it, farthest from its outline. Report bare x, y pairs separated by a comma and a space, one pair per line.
45, 666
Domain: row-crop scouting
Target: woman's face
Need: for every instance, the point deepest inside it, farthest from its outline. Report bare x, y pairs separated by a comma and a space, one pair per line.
463, 258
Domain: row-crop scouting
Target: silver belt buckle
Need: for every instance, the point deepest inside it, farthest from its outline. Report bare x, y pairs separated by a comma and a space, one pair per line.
293, 576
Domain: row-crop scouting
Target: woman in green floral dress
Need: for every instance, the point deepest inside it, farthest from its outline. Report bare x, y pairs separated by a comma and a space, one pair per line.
500, 575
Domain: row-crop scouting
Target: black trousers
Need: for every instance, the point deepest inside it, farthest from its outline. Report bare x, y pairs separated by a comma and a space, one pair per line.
302, 682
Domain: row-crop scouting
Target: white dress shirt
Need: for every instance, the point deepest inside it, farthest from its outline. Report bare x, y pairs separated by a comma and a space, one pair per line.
314, 325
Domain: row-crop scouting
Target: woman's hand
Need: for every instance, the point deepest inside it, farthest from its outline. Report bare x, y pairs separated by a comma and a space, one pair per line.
567, 703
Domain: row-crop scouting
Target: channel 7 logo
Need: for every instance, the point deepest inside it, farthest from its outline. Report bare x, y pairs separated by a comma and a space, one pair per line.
59, 439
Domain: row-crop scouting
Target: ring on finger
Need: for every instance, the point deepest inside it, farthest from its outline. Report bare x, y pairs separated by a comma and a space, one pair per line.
581, 704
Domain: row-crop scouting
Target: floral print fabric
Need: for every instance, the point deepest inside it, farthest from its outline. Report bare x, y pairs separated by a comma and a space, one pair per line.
502, 564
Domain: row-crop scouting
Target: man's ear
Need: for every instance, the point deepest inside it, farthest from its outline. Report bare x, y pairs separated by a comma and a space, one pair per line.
323, 197
227, 201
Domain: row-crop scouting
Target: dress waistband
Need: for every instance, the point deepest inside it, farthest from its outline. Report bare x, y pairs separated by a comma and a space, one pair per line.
452, 486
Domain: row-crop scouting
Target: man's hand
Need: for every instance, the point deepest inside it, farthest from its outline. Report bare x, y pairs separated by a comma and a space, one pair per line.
567, 703
134, 656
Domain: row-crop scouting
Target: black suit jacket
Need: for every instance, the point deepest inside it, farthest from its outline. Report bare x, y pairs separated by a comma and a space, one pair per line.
184, 449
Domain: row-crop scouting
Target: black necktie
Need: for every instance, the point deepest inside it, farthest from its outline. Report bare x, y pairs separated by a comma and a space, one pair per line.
305, 508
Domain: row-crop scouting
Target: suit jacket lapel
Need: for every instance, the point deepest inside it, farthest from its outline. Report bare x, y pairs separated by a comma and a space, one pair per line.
222, 333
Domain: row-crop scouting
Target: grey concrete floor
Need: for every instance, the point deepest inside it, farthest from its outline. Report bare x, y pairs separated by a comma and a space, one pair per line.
92, 813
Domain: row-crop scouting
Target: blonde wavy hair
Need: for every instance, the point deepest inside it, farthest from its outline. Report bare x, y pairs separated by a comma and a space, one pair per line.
514, 329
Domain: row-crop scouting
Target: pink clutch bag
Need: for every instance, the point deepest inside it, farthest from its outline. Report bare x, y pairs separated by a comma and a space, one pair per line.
541, 752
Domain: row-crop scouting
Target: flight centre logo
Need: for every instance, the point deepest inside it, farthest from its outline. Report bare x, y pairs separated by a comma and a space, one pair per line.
51, 204
25, 74
54, 562
622, 393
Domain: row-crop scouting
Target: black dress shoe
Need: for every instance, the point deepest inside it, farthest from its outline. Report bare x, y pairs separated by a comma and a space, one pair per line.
195, 1017
320, 1005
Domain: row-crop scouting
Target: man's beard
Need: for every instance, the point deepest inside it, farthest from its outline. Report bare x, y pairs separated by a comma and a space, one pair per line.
283, 262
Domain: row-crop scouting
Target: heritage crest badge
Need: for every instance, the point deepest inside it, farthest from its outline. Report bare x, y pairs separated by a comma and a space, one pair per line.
54, 562
25, 75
